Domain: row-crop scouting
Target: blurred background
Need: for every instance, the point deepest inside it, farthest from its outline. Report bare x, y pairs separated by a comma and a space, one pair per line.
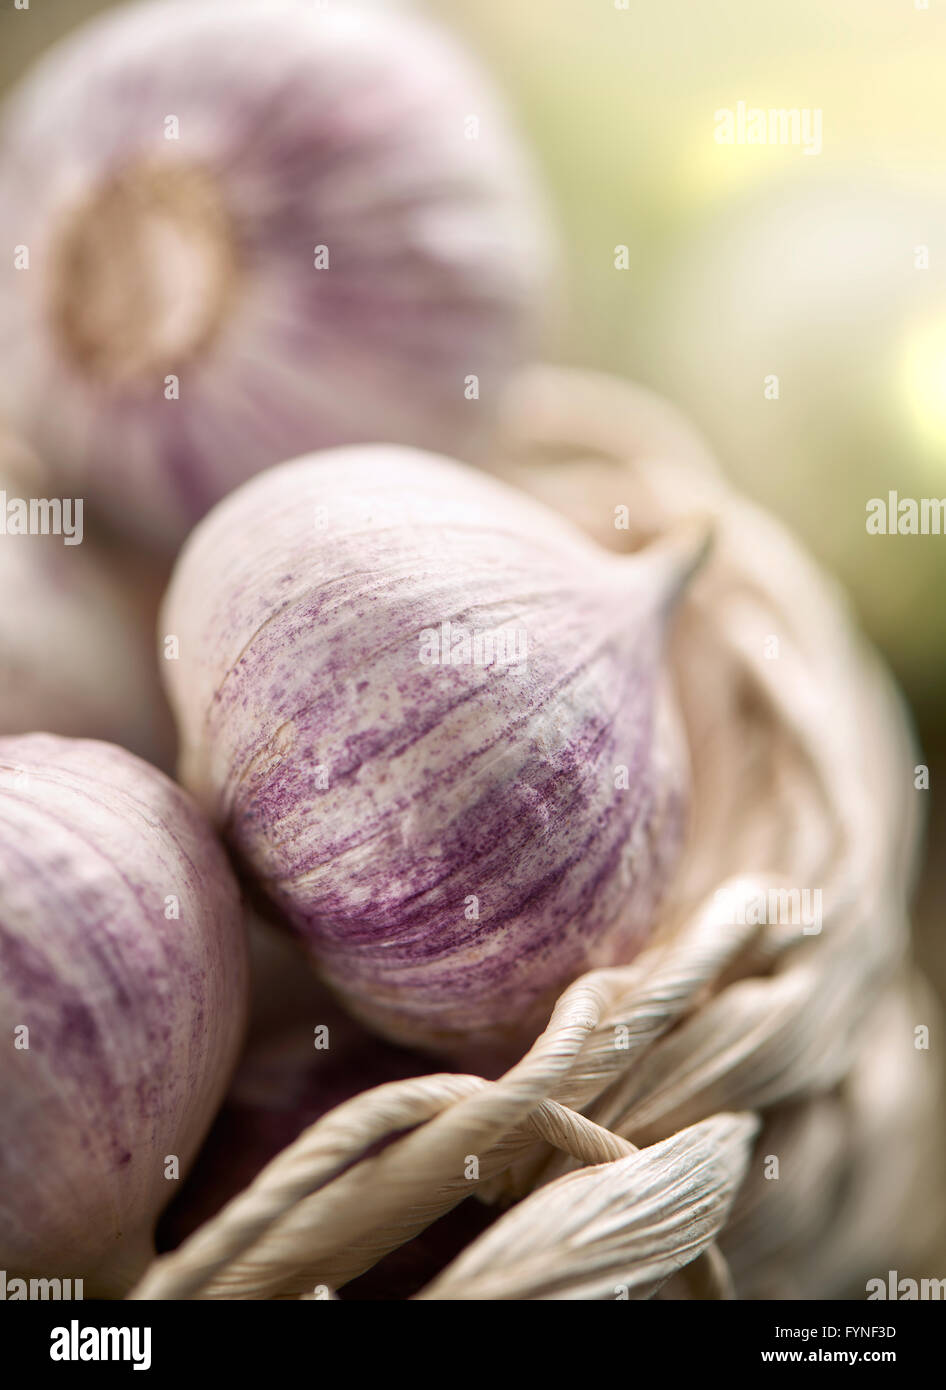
745, 263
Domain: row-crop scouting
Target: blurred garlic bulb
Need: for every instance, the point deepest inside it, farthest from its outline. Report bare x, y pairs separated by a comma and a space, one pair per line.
122, 1004
75, 649
249, 229
431, 718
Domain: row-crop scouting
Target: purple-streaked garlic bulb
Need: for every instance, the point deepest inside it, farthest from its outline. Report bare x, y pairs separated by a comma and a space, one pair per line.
75, 655
237, 231
431, 719
122, 1004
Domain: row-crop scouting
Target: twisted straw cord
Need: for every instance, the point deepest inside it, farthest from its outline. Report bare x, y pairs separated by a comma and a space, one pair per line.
619, 1230
472, 1115
291, 1230
575, 1135
708, 1276
319, 1154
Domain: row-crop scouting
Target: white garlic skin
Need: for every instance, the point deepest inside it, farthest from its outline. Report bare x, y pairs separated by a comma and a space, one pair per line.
451, 843
134, 1015
193, 258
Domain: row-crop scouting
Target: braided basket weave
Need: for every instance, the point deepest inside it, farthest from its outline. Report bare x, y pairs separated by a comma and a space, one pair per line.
743, 1109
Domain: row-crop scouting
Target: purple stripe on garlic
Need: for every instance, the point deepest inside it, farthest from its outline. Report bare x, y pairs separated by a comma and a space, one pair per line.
123, 981
251, 229
452, 843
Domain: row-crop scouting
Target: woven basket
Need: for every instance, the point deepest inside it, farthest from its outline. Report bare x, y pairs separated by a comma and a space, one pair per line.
744, 1109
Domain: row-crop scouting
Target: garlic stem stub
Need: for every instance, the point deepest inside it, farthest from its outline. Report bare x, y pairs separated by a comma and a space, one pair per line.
244, 230
123, 981
432, 720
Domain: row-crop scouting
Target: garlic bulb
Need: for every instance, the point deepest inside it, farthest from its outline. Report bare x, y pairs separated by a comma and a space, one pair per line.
249, 229
75, 655
430, 717
122, 1004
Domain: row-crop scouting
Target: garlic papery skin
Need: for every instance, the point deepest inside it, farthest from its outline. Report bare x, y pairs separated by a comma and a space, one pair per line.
123, 981
456, 840
251, 229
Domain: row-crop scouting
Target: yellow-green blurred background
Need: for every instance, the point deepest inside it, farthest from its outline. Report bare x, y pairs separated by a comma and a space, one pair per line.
747, 261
